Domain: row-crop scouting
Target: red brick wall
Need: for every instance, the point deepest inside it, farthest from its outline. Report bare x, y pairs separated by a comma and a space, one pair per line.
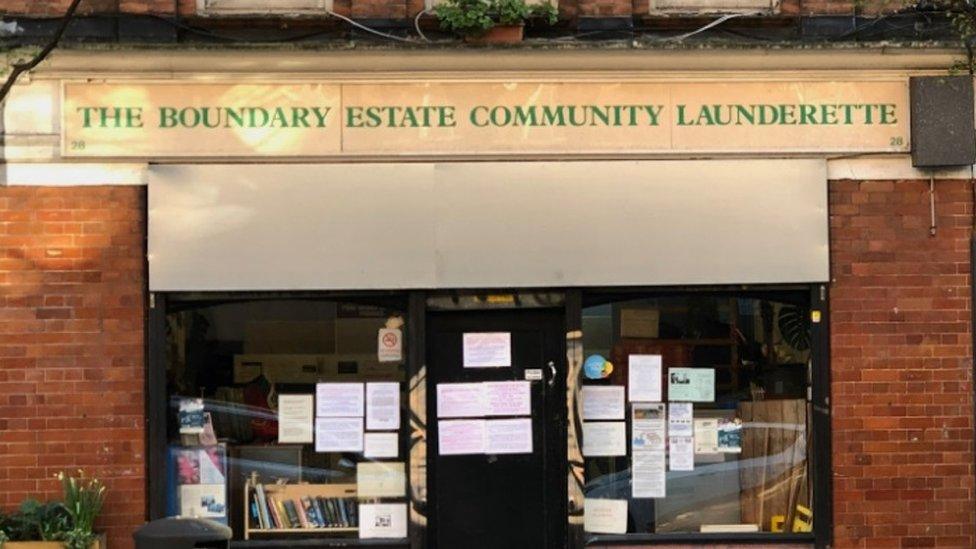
403, 8
901, 365
56, 8
379, 9
72, 281
71, 355
604, 8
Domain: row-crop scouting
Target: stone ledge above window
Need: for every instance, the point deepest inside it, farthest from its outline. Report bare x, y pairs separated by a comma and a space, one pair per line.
764, 7
262, 7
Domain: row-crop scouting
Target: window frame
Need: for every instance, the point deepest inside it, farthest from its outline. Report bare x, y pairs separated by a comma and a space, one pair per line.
157, 401
415, 305
819, 397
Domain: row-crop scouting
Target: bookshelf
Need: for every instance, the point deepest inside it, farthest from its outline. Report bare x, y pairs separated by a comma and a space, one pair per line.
293, 492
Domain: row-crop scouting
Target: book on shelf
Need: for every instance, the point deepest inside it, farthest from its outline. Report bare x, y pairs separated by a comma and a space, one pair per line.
277, 511
294, 518
310, 512
333, 512
320, 511
273, 513
262, 506
283, 513
343, 515
353, 512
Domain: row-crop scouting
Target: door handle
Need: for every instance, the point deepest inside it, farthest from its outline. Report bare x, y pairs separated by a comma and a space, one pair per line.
552, 373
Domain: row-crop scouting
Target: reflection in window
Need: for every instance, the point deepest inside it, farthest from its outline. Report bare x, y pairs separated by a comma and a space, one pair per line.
723, 448
284, 417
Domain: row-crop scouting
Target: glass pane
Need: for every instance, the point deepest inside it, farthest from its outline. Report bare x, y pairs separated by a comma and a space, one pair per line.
285, 415
739, 461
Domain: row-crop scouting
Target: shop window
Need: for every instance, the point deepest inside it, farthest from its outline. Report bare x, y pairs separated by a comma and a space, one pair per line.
256, 7
756, 7
693, 414
285, 417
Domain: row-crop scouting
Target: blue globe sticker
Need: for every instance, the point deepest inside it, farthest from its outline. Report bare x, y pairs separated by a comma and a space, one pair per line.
596, 367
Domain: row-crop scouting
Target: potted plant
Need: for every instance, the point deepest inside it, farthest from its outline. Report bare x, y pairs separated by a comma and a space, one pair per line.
67, 524
492, 21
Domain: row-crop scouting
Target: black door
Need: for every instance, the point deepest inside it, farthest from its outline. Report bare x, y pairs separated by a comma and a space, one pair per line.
505, 501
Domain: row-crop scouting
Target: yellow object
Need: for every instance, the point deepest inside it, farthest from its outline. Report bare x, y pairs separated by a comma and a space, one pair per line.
803, 520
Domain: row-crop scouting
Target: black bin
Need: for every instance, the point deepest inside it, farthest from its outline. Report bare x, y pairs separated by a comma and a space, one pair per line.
182, 533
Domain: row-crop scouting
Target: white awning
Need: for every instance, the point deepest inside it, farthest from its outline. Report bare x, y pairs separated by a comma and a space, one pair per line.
486, 224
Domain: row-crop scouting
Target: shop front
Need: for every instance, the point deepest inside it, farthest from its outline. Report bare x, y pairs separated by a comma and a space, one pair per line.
528, 309
518, 331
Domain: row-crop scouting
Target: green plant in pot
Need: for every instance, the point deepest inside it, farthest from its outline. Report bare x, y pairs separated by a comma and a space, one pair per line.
492, 21
68, 523
34, 520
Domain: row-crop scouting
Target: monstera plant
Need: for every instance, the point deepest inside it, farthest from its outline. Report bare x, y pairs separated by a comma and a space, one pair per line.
794, 325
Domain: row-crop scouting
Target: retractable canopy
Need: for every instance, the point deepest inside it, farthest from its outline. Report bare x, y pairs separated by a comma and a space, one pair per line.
486, 224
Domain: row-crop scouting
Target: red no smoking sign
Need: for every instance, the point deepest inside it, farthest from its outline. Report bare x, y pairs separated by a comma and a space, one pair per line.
389, 345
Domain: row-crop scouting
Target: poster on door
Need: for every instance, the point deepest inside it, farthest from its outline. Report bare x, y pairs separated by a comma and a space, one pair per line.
487, 349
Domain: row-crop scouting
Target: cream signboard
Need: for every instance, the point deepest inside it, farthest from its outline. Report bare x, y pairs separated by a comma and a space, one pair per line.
319, 119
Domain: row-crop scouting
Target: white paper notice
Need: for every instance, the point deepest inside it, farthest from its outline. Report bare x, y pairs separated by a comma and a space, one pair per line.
508, 398
487, 349
339, 400
389, 345
706, 436
295, 418
381, 445
383, 406
508, 436
691, 384
681, 453
644, 378
648, 475
382, 520
381, 480
648, 427
339, 434
604, 438
605, 516
680, 415
203, 500
461, 400
212, 462
600, 402
461, 436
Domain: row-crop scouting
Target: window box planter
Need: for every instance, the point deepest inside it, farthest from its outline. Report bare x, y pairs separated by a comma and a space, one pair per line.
99, 543
498, 35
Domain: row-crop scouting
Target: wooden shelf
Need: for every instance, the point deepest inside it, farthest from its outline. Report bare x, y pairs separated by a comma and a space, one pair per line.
303, 530
297, 492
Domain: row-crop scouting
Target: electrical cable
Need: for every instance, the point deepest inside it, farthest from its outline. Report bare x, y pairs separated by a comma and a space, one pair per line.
714, 23
369, 30
416, 24
210, 34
